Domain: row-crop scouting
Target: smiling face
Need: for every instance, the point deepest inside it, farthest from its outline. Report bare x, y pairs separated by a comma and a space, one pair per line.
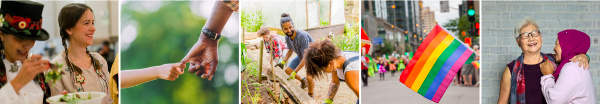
531, 44
288, 29
83, 32
558, 51
16, 48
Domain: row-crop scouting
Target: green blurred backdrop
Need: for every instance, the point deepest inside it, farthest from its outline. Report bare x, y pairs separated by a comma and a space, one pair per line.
160, 32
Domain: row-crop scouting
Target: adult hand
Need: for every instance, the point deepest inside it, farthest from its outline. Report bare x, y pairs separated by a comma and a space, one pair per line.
31, 67
327, 101
292, 76
582, 59
203, 57
170, 71
280, 64
547, 67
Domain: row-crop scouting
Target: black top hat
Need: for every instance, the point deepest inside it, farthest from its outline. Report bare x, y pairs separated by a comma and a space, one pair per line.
23, 19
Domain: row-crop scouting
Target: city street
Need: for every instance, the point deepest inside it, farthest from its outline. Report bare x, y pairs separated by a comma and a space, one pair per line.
391, 91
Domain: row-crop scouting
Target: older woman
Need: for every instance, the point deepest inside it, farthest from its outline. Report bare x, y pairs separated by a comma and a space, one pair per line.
21, 77
513, 88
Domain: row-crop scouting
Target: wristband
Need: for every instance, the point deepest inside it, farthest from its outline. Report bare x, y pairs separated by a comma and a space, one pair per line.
211, 34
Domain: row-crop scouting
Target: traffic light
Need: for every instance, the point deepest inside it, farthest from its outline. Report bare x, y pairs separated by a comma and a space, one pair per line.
468, 41
463, 33
477, 28
471, 10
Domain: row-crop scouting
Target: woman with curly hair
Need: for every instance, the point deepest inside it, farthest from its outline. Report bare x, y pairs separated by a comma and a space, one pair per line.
323, 57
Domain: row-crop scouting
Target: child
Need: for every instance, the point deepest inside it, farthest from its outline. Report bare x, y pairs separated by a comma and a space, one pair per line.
272, 44
382, 69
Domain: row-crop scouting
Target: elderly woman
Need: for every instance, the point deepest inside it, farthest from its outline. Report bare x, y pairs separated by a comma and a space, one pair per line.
513, 88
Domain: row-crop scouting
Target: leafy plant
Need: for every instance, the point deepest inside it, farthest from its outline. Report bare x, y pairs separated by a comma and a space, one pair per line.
252, 20
323, 22
55, 74
245, 59
349, 41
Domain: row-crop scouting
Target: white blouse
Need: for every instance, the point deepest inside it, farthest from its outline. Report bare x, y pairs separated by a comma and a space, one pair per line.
31, 93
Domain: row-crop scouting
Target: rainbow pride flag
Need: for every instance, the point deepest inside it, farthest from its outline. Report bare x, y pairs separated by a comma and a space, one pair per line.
435, 63
476, 64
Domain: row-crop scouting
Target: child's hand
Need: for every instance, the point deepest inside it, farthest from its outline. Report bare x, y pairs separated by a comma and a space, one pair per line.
170, 71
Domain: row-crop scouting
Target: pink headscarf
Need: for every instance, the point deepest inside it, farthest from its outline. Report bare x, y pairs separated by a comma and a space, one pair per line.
572, 42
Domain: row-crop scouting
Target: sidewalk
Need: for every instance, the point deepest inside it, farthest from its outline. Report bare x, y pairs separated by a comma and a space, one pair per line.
391, 91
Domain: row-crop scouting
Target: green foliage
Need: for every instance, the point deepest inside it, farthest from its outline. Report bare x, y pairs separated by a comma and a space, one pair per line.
387, 47
54, 75
164, 36
245, 59
252, 20
456, 26
323, 22
350, 40
351, 29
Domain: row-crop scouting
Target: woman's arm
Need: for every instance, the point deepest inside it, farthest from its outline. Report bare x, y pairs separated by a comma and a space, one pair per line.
333, 87
300, 65
352, 80
564, 88
582, 59
504, 87
131, 78
8, 95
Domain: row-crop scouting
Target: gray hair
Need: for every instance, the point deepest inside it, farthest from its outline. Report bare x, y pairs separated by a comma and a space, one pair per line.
524, 22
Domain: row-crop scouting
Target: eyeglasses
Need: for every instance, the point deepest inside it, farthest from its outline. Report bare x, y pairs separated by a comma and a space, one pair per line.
529, 34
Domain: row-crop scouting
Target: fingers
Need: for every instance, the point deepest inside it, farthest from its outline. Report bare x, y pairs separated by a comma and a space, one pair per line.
35, 57
37, 66
213, 69
176, 68
197, 50
202, 69
586, 65
212, 56
194, 65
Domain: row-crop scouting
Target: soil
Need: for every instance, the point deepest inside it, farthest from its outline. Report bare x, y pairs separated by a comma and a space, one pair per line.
250, 91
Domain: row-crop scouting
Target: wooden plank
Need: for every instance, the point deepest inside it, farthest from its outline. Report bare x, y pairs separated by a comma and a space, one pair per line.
260, 60
289, 93
296, 91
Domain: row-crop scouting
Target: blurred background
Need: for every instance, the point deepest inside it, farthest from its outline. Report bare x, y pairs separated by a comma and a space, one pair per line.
160, 32
106, 16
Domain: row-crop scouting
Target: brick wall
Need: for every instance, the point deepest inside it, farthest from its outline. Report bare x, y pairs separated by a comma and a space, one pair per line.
499, 46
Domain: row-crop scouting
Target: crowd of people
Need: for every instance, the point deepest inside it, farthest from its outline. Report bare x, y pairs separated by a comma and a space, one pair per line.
387, 63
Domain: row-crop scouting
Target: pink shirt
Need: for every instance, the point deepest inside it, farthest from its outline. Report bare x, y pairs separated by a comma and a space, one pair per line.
575, 86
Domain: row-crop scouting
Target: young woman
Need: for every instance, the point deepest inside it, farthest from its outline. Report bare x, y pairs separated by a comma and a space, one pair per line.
21, 78
323, 57
575, 85
84, 71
